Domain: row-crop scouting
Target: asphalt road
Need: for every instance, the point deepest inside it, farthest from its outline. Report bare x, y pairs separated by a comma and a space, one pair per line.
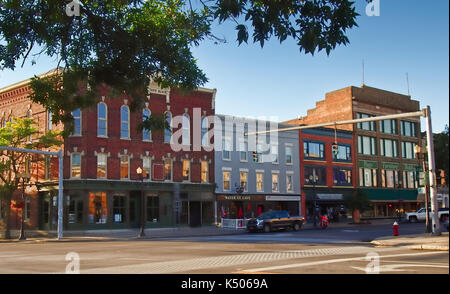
337, 250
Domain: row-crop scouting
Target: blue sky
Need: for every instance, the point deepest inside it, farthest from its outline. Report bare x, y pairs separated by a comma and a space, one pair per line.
409, 36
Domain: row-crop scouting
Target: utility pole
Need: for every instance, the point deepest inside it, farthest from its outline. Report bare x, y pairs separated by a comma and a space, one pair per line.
436, 227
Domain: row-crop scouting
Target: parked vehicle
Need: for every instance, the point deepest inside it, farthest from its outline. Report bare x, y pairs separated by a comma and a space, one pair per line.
275, 220
420, 215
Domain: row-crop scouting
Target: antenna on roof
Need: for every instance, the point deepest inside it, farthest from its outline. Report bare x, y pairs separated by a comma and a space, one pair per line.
362, 73
407, 83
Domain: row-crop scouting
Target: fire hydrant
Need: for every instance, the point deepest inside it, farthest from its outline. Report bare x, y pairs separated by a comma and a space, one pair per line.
395, 228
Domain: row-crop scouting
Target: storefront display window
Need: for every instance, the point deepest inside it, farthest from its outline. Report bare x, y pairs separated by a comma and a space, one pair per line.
98, 211
119, 208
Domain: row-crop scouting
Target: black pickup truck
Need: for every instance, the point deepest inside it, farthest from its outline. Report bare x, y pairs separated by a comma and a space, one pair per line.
275, 220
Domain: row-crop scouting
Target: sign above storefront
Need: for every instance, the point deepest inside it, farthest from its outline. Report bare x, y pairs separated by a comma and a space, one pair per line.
368, 164
282, 198
236, 197
390, 165
330, 196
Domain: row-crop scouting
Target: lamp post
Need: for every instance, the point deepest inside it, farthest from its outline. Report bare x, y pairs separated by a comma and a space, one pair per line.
421, 155
25, 178
142, 225
313, 179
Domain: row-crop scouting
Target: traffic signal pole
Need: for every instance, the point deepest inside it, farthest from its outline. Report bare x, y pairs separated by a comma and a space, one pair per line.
426, 112
60, 180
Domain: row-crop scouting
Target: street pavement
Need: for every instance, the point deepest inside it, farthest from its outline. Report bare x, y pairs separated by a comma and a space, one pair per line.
342, 248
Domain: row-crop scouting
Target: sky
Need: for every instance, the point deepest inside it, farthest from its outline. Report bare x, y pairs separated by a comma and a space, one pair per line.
278, 81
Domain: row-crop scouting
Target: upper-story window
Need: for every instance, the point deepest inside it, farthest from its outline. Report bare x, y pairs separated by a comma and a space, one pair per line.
168, 169
243, 151
204, 132
124, 122
101, 165
289, 182
168, 131
367, 126
367, 145
186, 130
275, 182
344, 153
75, 165
204, 171
76, 114
388, 148
388, 126
124, 166
146, 167
186, 170
146, 134
102, 120
408, 150
408, 128
314, 150
226, 148
288, 149
274, 153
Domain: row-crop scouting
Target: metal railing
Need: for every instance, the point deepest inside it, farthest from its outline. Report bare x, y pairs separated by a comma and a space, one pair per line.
235, 224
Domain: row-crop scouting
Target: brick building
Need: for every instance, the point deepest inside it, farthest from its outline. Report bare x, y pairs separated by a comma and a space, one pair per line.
326, 177
386, 165
102, 188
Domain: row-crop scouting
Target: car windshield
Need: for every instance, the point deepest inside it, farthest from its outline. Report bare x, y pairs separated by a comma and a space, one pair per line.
421, 210
266, 215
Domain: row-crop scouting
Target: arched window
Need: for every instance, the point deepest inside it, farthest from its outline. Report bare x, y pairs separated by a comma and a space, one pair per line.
102, 120
186, 130
77, 122
168, 131
124, 122
146, 134
204, 131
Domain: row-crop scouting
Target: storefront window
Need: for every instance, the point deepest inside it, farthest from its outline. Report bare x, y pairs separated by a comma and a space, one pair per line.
119, 208
98, 210
152, 208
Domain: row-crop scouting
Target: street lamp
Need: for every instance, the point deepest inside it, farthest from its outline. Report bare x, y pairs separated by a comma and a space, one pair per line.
25, 178
421, 155
313, 179
142, 225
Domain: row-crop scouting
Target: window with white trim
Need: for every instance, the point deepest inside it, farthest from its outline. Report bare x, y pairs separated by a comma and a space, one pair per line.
102, 120
124, 122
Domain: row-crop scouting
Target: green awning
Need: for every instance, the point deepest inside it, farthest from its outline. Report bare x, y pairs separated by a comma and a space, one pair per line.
391, 194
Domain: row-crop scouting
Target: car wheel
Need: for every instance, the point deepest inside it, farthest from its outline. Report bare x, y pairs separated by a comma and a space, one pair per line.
267, 228
413, 219
297, 227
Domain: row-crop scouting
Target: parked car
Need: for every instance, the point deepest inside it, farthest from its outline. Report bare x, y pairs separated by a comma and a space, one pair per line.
275, 220
420, 215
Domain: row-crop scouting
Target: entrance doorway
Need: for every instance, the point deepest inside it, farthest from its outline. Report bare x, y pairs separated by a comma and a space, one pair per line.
195, 213
48, 211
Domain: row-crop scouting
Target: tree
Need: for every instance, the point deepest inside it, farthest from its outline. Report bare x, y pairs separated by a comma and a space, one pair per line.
357, 202
441, 141
122, 44
19, 133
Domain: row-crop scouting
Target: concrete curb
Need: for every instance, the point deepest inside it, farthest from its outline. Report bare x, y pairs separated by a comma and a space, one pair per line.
417, 242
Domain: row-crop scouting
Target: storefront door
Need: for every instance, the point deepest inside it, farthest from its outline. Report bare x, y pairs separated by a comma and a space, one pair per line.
48, 212
195, 219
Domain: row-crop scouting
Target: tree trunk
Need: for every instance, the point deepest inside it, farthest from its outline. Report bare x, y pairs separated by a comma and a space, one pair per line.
356, 216
6, 219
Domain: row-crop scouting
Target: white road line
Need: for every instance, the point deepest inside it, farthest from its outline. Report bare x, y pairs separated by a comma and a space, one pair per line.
272, 268
189, 265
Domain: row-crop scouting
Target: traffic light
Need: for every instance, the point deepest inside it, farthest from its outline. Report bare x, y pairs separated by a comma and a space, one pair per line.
255, 156
334, 148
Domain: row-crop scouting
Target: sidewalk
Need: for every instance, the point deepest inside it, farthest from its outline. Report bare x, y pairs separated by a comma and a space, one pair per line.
419, 242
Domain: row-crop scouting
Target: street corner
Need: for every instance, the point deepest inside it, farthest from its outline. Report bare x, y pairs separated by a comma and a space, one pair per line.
418, 241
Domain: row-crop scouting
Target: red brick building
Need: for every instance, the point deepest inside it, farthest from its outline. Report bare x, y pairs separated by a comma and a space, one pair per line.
102, 189
387, 168
326, 177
